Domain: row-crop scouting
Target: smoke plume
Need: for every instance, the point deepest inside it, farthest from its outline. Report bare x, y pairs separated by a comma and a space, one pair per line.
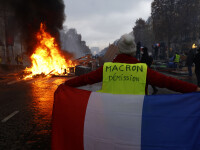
29, 14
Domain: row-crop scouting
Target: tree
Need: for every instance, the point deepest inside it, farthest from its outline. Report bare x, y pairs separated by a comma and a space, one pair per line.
143, 32
138, 30
176, 21
164, 17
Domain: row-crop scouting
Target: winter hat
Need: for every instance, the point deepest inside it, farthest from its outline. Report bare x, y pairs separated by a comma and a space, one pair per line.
126, 44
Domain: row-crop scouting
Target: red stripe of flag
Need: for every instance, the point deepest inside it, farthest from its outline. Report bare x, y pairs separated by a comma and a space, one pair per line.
68, 118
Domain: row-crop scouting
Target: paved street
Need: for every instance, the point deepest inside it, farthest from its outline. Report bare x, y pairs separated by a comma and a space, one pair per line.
26, 109
25, 113
180, 77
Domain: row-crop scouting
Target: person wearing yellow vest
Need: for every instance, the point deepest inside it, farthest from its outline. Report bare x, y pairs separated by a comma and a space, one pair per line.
124, 76
176, 60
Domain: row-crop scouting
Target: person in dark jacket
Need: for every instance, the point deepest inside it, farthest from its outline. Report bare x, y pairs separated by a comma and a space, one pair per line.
156, 49
197, 66
148, 60
189, 61
138, 50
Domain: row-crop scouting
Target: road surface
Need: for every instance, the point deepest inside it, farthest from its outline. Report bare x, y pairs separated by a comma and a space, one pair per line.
26, 109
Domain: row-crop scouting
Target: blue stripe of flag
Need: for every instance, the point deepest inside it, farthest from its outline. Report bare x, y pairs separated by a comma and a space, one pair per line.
171, 122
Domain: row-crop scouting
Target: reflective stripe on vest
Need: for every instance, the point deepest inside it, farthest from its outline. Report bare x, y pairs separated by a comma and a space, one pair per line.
177, 58
121, 78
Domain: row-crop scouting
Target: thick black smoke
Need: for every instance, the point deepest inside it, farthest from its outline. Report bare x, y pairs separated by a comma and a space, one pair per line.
30, 13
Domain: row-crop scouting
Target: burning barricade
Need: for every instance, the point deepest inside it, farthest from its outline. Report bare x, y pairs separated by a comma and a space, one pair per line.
47, 59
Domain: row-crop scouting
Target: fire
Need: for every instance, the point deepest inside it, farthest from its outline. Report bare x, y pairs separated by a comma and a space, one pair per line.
46, 58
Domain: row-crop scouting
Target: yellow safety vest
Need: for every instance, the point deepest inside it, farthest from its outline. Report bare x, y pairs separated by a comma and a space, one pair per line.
177, 58
122, 78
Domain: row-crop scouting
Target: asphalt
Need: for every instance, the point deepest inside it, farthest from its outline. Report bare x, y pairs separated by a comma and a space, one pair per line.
181, 74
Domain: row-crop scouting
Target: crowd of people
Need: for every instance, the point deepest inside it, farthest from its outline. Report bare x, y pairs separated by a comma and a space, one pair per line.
192, 59
130, 74
128, 54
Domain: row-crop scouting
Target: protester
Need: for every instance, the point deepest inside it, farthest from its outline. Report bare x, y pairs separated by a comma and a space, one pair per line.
20, 60
148, 60
127, 50
176, 60
17, 59
189, 61
197, 66
138, 50
156, 49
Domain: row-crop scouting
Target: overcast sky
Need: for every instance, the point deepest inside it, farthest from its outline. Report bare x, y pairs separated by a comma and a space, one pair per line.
101, 22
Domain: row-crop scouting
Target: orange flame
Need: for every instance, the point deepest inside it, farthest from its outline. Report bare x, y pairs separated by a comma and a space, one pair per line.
46, 59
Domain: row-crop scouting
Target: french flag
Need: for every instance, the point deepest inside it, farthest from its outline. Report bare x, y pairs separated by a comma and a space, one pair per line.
85, 120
